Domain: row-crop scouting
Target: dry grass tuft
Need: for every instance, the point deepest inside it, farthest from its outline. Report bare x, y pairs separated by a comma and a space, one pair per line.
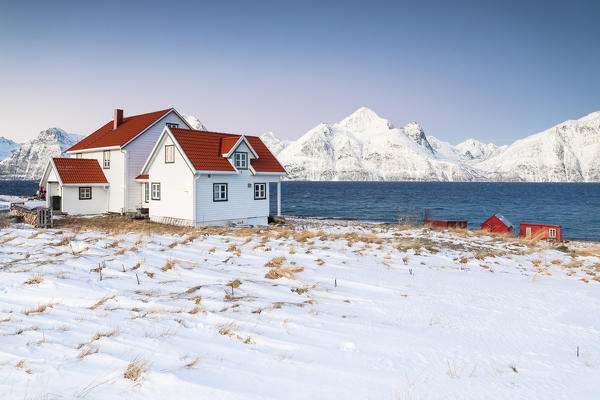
235, 284
20, 364
102, 301
195, 310
100, 335
39, 309
193, 289
170, 264
136, 369
234, 249
87, 350
212, 250
276, 262
286, 272
192, 363
149, 274
35, 280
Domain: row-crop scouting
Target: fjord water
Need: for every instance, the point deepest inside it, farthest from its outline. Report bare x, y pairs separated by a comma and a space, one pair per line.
575, 206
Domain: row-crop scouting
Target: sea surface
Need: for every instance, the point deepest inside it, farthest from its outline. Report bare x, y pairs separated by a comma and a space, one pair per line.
575, 206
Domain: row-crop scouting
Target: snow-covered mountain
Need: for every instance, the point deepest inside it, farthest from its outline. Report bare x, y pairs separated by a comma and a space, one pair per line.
7, 147
30, 160
364, 146
274, 144
194, 122
567, 152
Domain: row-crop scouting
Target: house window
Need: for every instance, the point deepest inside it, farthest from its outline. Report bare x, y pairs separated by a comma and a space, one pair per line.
219, 192
170, 154
146, 192
106, 159
240, 160
155, 191
552, 233
172, 125
260, 191
77, 155
85, 193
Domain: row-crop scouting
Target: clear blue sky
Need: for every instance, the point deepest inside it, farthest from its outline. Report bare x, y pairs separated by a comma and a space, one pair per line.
496, 71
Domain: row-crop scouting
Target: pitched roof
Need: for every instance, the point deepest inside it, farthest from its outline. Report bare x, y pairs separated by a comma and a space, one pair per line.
205, 150
79, 170
504, 220
131, 126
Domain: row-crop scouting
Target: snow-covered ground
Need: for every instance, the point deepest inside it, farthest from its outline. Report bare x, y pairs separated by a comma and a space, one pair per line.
313, 310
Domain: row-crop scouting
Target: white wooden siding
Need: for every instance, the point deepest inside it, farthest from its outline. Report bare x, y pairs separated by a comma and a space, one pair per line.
240, 205
137, 154
176, 187
72, 205
115, 175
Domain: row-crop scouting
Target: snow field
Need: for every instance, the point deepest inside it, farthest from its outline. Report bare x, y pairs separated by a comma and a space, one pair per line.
316, 309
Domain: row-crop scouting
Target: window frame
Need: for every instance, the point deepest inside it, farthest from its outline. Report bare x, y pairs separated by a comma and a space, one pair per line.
146, 192
552, 233
84, 188
170, 146
152, 185
235, 154
216, 200
106, 160
78, 155
172, 125
264, 185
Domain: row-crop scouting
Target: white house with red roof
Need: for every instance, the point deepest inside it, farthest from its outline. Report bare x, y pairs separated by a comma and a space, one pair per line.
201, 178
155, 161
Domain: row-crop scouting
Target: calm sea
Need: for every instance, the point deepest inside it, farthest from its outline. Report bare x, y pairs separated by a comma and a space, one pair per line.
575, 206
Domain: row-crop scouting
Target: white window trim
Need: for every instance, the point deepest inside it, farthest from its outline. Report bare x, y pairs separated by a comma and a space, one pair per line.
152, 191
170, 150
220, 192
257, 187
243, 160
105, 159
84, 189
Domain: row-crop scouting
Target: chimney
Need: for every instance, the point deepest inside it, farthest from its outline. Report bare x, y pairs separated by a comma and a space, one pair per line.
118, 120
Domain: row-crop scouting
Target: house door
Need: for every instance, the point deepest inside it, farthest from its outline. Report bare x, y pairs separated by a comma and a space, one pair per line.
528, 231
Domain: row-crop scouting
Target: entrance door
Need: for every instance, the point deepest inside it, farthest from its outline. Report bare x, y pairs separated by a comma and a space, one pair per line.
528, 231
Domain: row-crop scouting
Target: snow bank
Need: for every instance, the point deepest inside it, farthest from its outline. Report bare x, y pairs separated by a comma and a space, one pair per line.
358, 311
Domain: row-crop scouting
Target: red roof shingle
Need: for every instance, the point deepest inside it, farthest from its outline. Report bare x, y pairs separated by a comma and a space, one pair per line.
79, 170
205, 150
107, 137
142, 176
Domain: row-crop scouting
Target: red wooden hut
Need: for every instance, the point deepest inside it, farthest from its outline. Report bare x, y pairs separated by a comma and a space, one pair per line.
540, 231
445, 224
497, 223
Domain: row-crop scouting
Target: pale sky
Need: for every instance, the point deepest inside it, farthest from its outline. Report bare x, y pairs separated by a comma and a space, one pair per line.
495, 71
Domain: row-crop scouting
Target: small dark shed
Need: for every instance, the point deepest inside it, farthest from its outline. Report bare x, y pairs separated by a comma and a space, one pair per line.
497, 223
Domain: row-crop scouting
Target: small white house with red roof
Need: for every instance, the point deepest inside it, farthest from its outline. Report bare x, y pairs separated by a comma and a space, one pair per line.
201, 178
156, 162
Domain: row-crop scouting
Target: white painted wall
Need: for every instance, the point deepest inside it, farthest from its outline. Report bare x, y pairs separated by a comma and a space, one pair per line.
72, 205
240, 206
115, 176
176, 180
137, 154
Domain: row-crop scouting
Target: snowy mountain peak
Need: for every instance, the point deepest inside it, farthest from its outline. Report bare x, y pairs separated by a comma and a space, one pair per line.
7, 147
414, 131
30, 160
273, 143
364, 119
194, 122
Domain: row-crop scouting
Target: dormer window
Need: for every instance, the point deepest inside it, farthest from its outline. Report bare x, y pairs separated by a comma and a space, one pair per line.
240, 160
172, 125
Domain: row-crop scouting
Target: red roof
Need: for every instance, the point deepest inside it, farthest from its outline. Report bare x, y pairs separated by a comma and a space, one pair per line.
106, 136
142, 177
205, 150
79, 170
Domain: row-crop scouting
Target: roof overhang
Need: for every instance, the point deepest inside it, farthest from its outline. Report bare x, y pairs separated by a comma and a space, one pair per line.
94, 149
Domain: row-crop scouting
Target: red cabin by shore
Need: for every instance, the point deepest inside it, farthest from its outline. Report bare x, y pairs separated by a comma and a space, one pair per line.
497, 223
540, 231
445, 224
